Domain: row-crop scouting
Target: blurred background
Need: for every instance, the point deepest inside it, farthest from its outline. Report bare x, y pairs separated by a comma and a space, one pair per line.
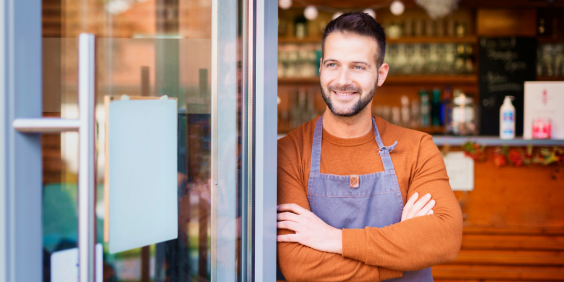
452, 63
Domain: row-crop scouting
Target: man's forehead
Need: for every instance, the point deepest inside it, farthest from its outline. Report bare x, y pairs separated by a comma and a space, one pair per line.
349, 45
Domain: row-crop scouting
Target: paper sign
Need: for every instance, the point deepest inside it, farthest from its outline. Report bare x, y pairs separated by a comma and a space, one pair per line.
143, 197
460, 170
544, 99
64, 265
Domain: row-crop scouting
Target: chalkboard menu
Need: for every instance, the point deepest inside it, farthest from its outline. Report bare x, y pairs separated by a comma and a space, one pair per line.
504, 65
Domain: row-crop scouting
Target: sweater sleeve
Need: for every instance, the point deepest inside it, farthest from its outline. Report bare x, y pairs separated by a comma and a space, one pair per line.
419, 242
301, 263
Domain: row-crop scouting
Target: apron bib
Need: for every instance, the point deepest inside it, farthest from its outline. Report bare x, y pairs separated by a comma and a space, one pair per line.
358, 201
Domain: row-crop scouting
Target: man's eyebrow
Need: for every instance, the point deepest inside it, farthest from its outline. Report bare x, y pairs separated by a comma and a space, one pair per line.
361, 62
329, 60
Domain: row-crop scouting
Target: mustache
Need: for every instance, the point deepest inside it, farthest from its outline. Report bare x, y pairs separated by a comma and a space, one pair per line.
344, 88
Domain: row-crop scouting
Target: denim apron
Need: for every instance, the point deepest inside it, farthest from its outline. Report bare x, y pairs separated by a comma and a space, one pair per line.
358, 201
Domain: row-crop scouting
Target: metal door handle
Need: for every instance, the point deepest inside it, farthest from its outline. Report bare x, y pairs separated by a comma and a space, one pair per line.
86, 170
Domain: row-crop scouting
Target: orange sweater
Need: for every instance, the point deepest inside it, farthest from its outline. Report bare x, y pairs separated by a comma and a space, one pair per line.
371, 254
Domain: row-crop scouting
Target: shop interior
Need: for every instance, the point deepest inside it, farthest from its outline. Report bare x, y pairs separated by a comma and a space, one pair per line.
442, 57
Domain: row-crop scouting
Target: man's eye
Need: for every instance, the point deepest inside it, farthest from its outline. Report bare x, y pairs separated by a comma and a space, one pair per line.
359, 68
331, 65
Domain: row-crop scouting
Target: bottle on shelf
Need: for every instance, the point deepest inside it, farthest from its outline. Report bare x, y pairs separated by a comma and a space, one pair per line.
462, 117
460, 62
396, 116
415, 117
300, 26
405, 118
469, 63
507, 119
446, 100
436, 108
425, 122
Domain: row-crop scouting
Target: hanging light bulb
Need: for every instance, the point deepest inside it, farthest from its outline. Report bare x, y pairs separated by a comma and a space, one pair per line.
310, 12
337, 14
285, 4
397, 8
370, 12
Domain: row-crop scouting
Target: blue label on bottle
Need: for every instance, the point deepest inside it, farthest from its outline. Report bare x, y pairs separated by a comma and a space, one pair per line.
508, 116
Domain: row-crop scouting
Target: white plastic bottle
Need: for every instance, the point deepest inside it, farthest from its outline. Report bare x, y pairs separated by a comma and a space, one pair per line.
507, 119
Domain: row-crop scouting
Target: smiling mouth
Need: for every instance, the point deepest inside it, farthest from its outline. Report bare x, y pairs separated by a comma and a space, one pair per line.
344, 93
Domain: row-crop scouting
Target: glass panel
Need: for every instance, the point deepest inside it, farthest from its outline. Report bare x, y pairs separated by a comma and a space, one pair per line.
147, 48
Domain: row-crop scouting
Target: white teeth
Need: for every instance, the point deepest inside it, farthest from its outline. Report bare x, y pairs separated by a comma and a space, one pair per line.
344, 93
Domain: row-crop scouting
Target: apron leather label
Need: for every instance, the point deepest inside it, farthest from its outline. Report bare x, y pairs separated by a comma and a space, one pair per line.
354, 181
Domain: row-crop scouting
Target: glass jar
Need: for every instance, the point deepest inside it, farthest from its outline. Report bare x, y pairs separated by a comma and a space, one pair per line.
461, 115
460, 29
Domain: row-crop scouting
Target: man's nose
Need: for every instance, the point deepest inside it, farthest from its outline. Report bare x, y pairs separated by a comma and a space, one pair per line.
344, 77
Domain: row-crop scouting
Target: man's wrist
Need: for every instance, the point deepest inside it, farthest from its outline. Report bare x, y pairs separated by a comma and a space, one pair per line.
337, 241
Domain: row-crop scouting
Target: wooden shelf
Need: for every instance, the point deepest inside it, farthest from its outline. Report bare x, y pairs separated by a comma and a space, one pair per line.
550, 39
298, 80
494, 141
550, 78
431, 79
466, 39
397, 79
299, 40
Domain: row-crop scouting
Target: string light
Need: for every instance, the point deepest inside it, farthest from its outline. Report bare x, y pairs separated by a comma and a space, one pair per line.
337, 14
370, 12
310, 13
397, 8
285, 4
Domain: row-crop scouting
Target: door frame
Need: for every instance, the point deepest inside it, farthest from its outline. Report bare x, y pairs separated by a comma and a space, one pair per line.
21, 256
20, 154
266, 124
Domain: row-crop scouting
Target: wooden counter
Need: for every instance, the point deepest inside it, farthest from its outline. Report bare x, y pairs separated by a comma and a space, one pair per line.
513, 225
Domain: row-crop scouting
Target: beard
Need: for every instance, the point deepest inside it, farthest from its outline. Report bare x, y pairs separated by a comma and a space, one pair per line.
356, 107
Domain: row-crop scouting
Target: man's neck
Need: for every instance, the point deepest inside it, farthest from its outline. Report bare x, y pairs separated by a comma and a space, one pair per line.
348, 127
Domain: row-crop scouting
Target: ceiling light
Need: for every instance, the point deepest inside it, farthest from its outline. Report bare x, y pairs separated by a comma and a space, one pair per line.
310, 13
397, 8
370, 12
285, 4
337, 14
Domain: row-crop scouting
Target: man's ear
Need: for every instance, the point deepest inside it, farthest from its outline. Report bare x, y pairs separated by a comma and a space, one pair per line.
383, 73
320, 64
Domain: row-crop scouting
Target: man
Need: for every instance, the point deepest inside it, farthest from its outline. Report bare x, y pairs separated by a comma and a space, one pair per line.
344, 178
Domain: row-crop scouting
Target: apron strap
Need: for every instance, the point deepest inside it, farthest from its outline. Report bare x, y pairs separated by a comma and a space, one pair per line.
384, 151
316, 148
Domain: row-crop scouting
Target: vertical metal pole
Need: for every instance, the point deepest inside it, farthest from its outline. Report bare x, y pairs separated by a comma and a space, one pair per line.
247, 248
265, 197
214, 141
86, 177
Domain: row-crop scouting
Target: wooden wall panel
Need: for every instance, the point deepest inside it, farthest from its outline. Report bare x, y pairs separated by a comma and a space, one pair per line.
514, 196
506, 22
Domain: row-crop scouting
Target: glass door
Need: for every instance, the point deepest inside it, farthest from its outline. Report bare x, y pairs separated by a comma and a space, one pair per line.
171, 140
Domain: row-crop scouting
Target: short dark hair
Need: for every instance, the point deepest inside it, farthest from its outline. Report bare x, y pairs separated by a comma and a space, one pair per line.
361, 24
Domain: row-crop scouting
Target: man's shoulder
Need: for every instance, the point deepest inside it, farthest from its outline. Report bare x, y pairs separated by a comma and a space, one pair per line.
303, 135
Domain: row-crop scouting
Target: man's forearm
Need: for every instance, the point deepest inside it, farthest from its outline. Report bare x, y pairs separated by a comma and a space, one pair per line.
410, 245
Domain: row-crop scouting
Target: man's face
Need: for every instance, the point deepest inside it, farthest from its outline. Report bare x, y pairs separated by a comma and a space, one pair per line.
349, 73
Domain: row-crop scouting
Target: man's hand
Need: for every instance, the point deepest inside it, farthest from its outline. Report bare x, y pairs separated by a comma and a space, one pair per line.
414, 209
313, 232
310, 230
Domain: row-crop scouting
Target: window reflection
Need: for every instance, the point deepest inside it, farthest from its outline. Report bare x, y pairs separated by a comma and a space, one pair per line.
144, 48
